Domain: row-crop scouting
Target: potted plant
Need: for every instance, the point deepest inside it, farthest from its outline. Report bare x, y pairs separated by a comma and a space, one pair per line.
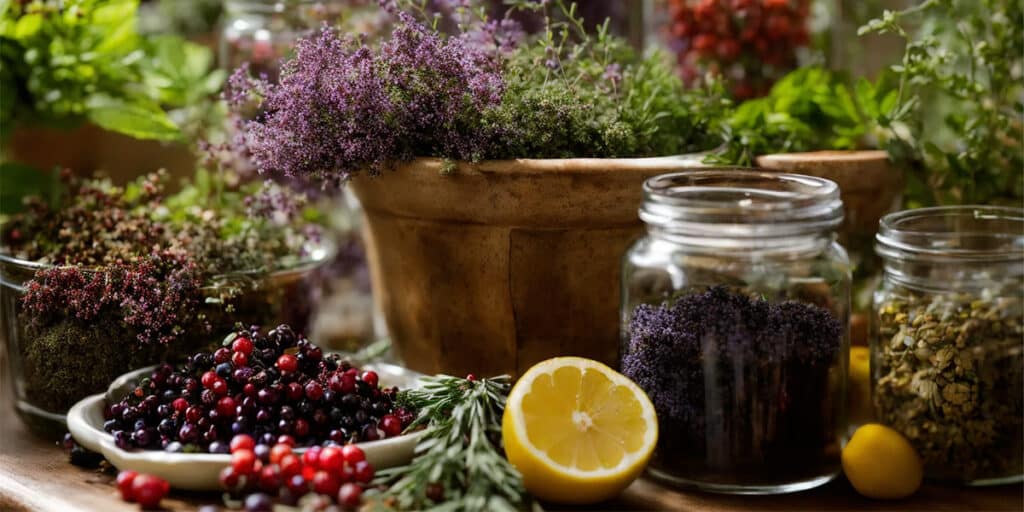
81, 88
500, 174
98, 280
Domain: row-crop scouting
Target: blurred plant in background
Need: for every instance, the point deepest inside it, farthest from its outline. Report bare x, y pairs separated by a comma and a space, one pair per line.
958, 116
70, 61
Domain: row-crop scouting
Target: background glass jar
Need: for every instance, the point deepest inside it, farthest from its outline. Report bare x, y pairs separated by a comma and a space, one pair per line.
947, 341
735, 316
55, 363
262, 32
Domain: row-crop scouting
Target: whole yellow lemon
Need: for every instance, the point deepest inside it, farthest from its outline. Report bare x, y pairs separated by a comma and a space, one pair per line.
880, 463
859, 389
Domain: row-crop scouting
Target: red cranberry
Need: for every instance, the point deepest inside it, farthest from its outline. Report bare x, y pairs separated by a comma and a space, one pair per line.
287, 363
242, 442
270, 478
314, 391
286, 439
124, 484
295, 391
352, 454
219, 387
331, 459
249, 389
291, 465
208, 379
229, 478
243, 461
278, 451
344, 383
179, 404
226, 407
370, 378
192, 414
348, 473
391, 425
350, 496
239, 359
311, 457
363, 472
242, 345
297, 485
148, 490
326, 483
471, 377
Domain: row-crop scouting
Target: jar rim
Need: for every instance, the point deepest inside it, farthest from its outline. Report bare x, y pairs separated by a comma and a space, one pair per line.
315, 254
741, 202
967, 233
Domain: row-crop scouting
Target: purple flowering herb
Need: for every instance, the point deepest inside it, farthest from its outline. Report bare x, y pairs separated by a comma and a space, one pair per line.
156, 296
342, 107
738, 383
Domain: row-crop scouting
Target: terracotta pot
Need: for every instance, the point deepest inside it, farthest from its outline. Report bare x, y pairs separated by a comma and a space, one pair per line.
498, 265
869, 184
88, 148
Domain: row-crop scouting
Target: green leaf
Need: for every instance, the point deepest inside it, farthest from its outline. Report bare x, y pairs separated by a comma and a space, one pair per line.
136, 119
19, 181
115, 12
28, 25
842, 94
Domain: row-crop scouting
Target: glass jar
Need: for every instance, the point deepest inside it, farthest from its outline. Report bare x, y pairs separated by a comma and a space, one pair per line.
735, 315
947, 341
54, 364
262, 32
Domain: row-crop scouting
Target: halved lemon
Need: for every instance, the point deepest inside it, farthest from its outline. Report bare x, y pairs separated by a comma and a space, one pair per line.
578, 431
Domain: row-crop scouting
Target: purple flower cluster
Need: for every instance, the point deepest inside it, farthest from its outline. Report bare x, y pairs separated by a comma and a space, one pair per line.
341, 107
155, 295
723, 368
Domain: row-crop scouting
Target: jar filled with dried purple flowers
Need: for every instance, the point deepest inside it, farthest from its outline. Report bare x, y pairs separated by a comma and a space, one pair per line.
735, 321
947, 339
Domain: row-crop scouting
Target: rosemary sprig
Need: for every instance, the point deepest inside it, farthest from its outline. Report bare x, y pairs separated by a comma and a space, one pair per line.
461, 452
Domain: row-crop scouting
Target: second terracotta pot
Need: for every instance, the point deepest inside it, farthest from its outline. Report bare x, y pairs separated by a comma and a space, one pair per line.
489, 268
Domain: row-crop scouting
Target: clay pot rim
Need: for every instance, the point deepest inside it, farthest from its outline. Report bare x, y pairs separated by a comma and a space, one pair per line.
563, 166
838, 156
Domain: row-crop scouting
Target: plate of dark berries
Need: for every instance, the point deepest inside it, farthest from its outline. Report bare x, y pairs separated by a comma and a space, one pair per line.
177, 422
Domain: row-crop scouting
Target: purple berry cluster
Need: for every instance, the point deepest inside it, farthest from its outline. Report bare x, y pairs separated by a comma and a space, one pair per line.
272, 387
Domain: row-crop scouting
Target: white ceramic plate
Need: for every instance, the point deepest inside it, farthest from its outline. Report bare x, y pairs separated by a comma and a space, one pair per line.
200, 471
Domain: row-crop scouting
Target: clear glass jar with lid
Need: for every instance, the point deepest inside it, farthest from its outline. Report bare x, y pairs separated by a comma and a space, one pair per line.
947, 339
735, 315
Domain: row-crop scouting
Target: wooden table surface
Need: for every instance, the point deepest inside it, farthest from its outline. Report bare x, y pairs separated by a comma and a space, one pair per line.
35, 475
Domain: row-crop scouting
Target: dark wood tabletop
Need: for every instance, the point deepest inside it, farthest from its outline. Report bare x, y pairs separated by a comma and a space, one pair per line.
35, 475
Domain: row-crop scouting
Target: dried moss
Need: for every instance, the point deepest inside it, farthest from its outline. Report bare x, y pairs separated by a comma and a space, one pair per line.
70, 360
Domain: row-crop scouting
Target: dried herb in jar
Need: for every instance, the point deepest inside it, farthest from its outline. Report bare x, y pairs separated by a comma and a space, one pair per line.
949, 375
746, 390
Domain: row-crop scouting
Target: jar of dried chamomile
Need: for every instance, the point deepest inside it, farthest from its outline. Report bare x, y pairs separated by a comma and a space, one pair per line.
947, 339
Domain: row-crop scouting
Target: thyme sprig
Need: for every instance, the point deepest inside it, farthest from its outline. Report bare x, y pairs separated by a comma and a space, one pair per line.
461, 452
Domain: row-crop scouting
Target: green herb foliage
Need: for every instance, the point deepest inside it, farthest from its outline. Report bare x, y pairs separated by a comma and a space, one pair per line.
460, 452
958, 114
63, 62
810, 109
569, 93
